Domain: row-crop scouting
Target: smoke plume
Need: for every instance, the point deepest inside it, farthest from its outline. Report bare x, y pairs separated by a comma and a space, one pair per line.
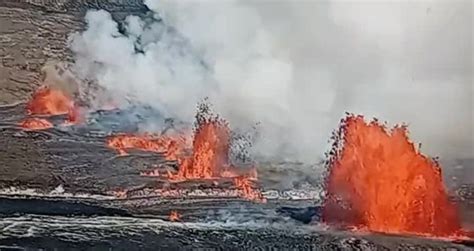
294, 66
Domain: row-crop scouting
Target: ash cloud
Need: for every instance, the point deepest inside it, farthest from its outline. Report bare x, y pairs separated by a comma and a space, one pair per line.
295, 67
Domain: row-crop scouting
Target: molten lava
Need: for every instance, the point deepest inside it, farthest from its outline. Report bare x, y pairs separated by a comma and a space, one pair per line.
232, 172
171, 147
174, 216
379, 181
35, 124
248, 192
47, 101
209, 158
74, 116
210, 155
210, 152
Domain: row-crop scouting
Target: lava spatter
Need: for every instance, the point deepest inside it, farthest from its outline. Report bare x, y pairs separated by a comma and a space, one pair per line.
35, 124
48, 101
174, 216
378, 181
210, 155
248, 191
74, 116
207, 158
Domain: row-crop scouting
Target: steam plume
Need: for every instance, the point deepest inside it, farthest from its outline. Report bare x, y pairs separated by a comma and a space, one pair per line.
295, 66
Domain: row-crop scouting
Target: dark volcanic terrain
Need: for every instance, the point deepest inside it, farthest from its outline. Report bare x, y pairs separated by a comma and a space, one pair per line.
57, 192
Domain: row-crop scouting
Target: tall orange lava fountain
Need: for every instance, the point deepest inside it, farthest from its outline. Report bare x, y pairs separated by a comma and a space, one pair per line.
210, 158
210, 152
379, 181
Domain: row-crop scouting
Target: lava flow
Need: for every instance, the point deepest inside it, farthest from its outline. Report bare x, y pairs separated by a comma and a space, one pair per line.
171, 147
378, 181
174, 216
209, 158
247, 190
35, 124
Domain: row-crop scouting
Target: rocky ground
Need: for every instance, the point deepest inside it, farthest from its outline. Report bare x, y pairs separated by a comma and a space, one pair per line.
113, 233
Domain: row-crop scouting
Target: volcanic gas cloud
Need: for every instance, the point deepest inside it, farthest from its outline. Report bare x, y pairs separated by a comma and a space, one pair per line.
378, 181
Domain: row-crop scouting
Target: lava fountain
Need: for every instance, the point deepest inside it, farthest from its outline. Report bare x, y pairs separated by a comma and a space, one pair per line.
206, 159
210, 151
210, 158
378, 181
47, 101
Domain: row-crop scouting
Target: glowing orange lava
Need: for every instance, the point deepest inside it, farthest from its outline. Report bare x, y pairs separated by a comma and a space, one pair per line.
120, 193
209, 158
74, 116
171, 147
210, 152
35, 124
174, 216
379, 181
232, 172
47, 101
248, 192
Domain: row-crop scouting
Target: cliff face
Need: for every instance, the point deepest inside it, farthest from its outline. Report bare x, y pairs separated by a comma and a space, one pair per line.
33, 32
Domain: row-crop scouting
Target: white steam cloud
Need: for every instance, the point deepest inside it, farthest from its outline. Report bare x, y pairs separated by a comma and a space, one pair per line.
295, 66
